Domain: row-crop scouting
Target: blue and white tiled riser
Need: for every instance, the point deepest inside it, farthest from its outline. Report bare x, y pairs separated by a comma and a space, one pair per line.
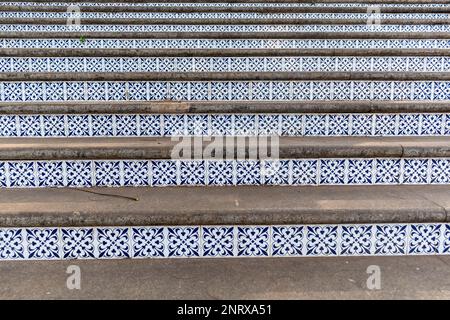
226, 4
224, 28
224, 241
159, 173
225, 91
224, 15
269, 64
226, 43
143, 125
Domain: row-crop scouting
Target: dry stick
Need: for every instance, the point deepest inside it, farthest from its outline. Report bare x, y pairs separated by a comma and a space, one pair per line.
107, 194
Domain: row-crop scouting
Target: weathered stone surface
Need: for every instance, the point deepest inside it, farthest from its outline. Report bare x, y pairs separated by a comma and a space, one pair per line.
224, 205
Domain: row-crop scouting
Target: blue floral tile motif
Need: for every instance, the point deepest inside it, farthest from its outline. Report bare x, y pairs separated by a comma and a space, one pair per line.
42, 243
360, 171
107, 173
218, 241
332, 171
440, 171
113, 243
387, 171
409, 124
356, 240
126, 125
304, 172
362, 125
79, 173
220, 173
53, 126
432, 124
78, 125
50, 174
291, 125
183, 241
287, 240
3, 182
315, 125
78, 243
197, 125
21, 174
424, 239
192, 172
245, 125
226, 91
390, 239
276, 172
222, 125
8, 126
150, 125
338, 124
385, 125
148, 242
102, 125
253, 241
248, 172
174, 125
415, 171
268, 125
136, 173
446, 244
118, 125
11, 244
321, 240
164, 173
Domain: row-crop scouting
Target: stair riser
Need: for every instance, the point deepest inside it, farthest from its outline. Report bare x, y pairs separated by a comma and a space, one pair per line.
349, 29
159, 173
169, 15
222, 44
225, 91
224, 241
227, 64
135, 125
230, 5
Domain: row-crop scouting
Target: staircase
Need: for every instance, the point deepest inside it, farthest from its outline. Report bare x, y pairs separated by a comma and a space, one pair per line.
93, 116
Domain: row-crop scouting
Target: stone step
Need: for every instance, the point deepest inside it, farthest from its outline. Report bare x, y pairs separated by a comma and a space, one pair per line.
224, 222
19, 65
223, 7
166, 147
93, 75
244, 205
222, 124
224, 21
221, 107
85, 38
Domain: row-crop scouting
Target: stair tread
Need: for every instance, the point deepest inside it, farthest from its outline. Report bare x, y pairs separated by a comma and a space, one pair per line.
183, 107
224, 205
160, 148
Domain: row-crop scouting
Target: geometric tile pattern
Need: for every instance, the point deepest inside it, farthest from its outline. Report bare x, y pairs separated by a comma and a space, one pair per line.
227, 64
222, 15
224, 28
227, 43
156, 173
219, 241
225, 90
151, 125
219, 4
